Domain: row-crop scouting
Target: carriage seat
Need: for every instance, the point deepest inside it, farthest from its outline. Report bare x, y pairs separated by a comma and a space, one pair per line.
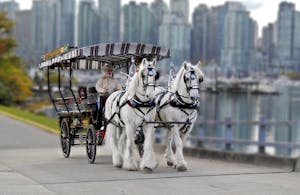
88, 96
61, 104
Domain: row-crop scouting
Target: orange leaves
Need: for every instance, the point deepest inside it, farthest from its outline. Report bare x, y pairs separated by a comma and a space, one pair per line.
13, 78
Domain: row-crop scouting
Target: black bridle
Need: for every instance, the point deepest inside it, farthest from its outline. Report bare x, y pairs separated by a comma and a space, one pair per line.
150, 73
188, 82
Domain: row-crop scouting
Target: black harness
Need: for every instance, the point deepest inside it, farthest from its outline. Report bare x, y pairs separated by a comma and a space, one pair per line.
134, 102
118, 111
176, 101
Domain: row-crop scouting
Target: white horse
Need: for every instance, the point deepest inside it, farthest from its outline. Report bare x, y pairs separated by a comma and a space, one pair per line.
126, 113
177, 110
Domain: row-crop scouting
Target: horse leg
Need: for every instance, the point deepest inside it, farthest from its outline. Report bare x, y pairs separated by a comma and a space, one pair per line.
129, 162
113, 138
122, 140
169, 155
181, 165
148, 162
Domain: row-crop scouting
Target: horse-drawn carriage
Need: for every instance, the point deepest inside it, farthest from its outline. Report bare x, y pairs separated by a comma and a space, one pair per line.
131, 115
80, 117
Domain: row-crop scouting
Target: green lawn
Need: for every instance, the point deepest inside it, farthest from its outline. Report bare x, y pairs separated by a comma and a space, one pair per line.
35, 119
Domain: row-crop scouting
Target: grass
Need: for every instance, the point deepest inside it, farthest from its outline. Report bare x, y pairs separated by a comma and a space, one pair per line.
38, 120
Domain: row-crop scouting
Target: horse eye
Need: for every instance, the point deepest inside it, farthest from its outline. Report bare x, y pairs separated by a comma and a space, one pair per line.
200, 80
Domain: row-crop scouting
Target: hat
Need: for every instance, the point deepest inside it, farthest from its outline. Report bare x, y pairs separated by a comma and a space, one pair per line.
108, 67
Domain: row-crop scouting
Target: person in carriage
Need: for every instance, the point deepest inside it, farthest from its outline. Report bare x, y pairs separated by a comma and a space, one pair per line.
107, 84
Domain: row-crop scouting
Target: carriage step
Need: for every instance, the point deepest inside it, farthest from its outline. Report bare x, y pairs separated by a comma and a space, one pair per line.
78, 144
79, 136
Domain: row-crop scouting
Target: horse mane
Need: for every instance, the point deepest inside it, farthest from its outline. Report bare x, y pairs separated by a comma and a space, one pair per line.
134, 82
176, 81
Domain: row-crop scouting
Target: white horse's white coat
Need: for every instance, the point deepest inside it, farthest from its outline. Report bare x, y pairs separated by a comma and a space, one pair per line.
121, 135
169, 113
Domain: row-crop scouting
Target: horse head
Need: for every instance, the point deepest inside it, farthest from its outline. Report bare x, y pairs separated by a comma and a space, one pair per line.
144, 79
188, 80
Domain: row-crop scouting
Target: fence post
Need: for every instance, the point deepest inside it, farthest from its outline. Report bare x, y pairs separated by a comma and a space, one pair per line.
262, 135
228, 133
200, 136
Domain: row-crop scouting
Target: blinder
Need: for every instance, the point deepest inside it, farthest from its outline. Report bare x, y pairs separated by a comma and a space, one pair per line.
190, 79
151, 73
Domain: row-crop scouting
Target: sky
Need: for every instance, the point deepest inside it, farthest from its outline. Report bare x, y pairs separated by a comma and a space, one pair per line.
263, 11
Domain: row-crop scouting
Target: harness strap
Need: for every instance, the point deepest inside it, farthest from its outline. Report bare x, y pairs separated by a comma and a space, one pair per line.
137, 104
159, 99
119, 96
185, 127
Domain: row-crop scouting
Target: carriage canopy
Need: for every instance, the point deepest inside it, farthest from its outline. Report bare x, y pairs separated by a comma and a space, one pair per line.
95, 56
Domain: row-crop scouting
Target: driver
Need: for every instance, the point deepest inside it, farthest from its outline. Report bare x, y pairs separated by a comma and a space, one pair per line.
107, 84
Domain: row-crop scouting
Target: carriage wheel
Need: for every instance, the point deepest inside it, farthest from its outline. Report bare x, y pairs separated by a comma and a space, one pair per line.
65, 138
91, 146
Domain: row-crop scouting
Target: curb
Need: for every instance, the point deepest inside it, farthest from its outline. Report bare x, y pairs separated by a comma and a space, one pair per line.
254, 159
43, 127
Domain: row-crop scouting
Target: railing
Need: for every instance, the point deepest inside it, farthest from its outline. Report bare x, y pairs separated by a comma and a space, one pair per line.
229, 140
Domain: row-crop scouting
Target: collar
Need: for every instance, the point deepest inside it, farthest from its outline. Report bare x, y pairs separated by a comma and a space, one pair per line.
135, 102
177, 101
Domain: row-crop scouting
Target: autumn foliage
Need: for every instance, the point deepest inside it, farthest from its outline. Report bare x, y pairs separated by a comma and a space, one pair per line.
14, 81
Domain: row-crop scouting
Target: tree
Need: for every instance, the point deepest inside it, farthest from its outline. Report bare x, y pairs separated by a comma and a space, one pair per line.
14, 81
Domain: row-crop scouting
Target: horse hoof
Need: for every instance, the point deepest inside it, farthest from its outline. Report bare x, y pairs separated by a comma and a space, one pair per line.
170, 164
181, 168
147, 170
118, 166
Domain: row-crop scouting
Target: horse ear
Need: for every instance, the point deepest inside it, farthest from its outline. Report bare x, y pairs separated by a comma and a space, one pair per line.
185, 65
154, 62
199, 64
144, 61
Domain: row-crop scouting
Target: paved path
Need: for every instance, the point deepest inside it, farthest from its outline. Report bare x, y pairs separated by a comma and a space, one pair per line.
31, 163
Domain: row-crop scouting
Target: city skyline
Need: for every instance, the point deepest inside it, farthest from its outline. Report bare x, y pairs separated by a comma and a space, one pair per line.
226, 34
257, 8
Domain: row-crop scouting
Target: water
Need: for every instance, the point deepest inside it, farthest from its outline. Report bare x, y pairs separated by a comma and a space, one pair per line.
283, 107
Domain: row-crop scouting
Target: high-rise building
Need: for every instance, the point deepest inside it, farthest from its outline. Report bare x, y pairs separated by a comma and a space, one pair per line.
131, 28
238, 48
296, 49
23, 36
138, 23
45, 25
67, 22
158, 8
286, 15
296, 40
11, 7
268, 44
288, 41
146, 24
175, 34
216, 26
181, 9
109, 12
87, 23
200, 34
